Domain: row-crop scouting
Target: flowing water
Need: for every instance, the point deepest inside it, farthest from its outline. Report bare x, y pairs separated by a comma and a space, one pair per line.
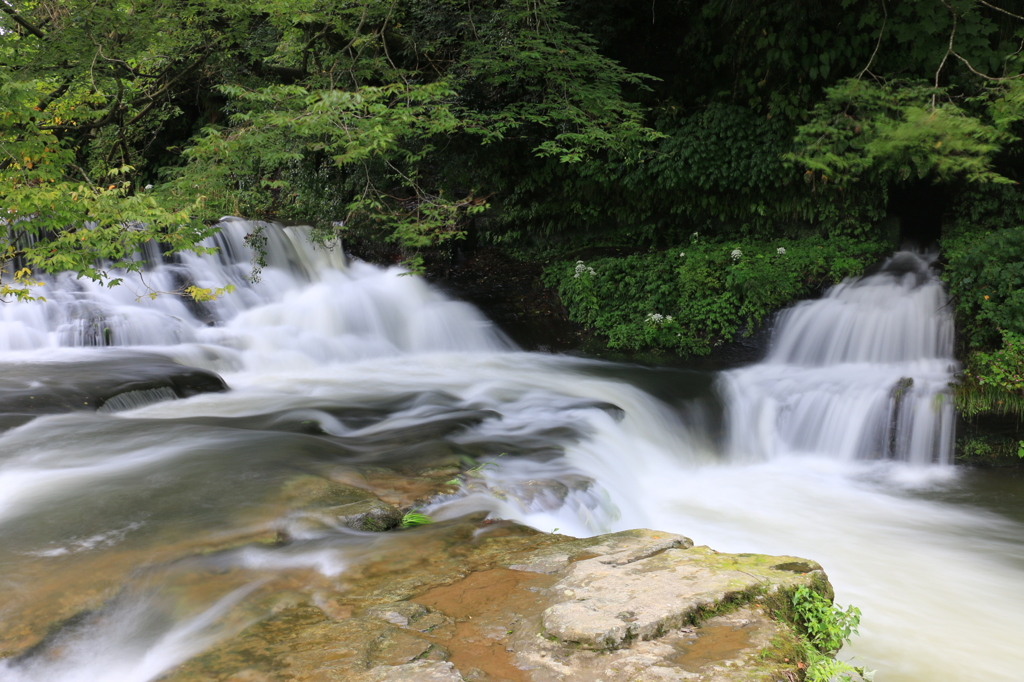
836, 448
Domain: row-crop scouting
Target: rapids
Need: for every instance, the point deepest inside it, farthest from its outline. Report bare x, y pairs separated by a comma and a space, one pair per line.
836, 448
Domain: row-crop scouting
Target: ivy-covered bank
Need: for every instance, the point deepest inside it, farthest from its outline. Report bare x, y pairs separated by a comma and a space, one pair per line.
703, 293
984, 251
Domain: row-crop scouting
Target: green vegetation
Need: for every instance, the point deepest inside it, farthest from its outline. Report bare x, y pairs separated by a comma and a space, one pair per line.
414, 518
984, 250
558, 131
702, 294
826, 627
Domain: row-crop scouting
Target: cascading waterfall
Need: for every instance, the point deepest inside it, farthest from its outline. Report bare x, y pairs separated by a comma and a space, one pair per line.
862, 373
334, 366
308, 305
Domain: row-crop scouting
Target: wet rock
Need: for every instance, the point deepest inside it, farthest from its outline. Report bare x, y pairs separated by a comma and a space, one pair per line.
327, 503
404, 489
307, 491
474, 601
369, 515
411, 615
420, 671
54, 387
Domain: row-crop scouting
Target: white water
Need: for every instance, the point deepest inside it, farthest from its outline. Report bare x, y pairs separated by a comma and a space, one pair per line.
830, 384
939, 584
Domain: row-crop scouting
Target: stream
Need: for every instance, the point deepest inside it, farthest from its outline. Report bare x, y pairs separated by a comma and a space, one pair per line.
836, 447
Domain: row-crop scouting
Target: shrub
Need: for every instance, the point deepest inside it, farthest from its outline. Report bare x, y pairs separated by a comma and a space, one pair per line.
694, 297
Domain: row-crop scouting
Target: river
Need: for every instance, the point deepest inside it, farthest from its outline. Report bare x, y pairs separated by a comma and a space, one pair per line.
836, 447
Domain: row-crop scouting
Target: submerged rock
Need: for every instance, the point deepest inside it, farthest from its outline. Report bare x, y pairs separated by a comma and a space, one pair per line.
130, 380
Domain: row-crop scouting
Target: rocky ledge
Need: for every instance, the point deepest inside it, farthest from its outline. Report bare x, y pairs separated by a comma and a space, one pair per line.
469, 599
496, 601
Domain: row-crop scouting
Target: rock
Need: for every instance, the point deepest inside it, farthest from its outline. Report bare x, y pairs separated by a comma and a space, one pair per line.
404, 489
486, 602
420, 671
369, 515
326, 503
411, 615
610, 601
31, 389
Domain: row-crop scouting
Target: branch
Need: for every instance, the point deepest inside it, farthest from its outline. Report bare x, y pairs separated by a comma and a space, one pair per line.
986, 77
56, 94
949, 50
9, 11
878, 44
166, 86
1000, 9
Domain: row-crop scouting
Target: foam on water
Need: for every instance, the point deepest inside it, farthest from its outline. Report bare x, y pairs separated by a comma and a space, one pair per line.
827, 453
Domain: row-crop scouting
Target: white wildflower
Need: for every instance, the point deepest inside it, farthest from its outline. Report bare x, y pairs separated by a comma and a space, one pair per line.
694, 235
736, 254
583, 269
658, 318
682, 254
781, 251
148, 187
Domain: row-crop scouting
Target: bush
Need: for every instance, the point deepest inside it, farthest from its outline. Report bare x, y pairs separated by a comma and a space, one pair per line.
994, 381
986, 278
695, 297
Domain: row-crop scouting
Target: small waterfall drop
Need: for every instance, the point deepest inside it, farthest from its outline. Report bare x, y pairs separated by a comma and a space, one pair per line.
862, 373
308, 307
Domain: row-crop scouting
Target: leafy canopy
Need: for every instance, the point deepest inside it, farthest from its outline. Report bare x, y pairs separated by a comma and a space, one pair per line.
364, 112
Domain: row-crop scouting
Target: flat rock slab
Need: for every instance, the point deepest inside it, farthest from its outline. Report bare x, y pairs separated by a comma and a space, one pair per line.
608, 602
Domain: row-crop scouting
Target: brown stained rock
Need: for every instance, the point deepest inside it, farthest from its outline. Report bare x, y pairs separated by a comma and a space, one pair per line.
503, 603
476, 601
401, 489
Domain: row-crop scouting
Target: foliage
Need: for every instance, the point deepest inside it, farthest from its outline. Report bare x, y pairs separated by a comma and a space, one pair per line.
898, 130
994, 381
826, 627
988, 449
525, 123
353, 113
54, 221
454, 78
697, 296
985, 273
414, 518
719, 170
984, 249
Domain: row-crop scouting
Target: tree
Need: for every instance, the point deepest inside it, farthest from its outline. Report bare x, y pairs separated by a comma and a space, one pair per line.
379, 102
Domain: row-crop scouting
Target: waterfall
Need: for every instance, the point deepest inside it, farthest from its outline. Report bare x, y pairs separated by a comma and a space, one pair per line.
862, 373
338, 367
308, 307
